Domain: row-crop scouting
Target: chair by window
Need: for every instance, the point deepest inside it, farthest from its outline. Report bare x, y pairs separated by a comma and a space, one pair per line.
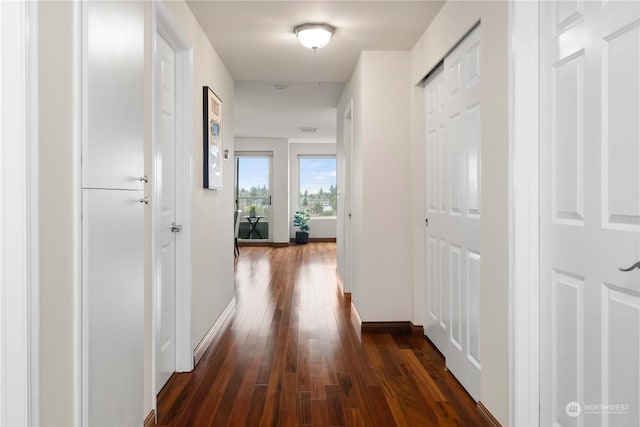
236, 226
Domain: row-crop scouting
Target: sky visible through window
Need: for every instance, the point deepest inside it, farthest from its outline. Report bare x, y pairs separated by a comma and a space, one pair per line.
254, 172
316, 173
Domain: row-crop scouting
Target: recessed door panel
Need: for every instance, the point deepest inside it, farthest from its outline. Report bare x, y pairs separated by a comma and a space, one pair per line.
621, 353
621, 129
568, 338
568, 139
473, 307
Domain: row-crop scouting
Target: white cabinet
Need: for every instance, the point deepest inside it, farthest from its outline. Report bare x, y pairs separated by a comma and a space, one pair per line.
113, 277
113, 89
112, 213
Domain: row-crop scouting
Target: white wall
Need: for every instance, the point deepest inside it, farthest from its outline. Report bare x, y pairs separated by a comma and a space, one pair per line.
382, 253
59, 209
452, 23
320, 227
279, 181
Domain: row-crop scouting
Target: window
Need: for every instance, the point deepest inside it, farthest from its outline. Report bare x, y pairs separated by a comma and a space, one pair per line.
317, 186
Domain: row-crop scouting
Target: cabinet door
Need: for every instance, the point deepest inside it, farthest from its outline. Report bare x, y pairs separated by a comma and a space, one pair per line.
113, 277
113, 94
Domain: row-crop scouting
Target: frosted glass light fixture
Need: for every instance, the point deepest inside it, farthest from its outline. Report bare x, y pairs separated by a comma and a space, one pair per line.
314, 36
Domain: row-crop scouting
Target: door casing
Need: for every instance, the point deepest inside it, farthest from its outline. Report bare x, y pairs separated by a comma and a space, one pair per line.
524, 232
19, 215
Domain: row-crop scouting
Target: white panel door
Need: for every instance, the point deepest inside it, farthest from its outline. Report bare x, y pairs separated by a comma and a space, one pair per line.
453, 211
347, 197
590, 213
165, 163
113, 91
113, 271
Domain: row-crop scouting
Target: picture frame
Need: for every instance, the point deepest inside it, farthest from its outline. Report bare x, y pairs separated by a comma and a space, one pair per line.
213, 152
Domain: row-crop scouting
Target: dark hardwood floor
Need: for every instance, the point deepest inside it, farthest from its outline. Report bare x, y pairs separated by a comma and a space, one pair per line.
292, 356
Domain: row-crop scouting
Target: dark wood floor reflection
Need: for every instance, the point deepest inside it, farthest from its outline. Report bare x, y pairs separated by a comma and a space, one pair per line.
292, 356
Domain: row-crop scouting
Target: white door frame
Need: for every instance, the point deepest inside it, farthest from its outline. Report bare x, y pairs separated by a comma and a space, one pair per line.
524, 232
347, 117
164, 24
19, 215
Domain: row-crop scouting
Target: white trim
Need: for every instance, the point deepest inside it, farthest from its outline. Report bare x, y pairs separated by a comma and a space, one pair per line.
215, 332
524, 353
33, 95
82, 99
78, 301
19, 215
164, 24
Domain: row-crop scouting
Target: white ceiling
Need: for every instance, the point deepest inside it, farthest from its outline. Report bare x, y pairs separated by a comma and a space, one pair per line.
255, 40
261, 110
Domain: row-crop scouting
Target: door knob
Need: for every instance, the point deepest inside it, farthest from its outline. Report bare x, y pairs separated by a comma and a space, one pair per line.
636, 265
143, 178
145, 200
175, 228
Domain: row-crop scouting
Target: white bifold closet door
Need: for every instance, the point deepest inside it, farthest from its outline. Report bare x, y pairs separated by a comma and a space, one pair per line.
113, 209
590, 213
452, 182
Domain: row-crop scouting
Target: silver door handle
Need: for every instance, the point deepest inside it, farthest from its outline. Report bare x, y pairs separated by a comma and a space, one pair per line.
143, 178
175, 228
636, 265
145, 200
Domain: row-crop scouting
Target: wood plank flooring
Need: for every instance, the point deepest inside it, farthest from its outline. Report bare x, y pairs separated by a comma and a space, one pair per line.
293, 357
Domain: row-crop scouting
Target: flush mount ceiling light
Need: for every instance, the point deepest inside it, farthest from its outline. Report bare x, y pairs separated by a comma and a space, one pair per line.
308, 129
314, 36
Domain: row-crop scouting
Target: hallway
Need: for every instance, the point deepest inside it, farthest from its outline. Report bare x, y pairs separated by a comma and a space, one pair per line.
292, 356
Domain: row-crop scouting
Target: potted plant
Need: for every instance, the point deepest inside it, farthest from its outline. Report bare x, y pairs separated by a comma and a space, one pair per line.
301, 220
252, 211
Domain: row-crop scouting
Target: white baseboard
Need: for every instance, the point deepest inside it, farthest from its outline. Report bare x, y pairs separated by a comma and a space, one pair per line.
215, 332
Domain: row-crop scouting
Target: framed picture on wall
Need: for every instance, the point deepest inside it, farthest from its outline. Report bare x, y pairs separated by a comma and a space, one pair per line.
212, 128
